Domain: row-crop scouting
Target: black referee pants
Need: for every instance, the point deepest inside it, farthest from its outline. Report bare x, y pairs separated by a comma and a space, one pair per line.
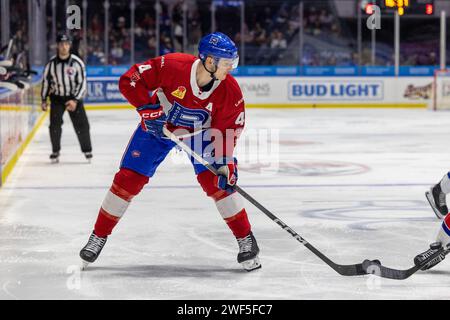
79, 120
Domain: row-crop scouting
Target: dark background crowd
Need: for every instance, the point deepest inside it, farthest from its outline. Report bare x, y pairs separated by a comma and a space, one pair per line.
272, 32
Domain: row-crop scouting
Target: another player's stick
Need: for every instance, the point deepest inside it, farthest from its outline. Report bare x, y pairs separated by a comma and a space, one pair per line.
345, 270
374, 267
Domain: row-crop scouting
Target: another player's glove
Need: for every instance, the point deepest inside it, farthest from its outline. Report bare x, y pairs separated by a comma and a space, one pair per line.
227, 174
153, 118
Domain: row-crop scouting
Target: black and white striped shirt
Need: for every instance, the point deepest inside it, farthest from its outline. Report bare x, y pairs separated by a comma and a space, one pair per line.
64, 78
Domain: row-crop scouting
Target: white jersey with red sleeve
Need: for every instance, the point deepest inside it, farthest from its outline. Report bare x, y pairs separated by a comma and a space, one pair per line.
220, 108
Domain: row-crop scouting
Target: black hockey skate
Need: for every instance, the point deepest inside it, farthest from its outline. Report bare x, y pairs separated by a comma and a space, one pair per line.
92, 249
248, 253
54, 157
436, 198
434, 247
88, 156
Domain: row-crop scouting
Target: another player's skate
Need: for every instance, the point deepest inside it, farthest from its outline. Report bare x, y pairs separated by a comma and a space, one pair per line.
88, 156
92, 249
248, 253
420, 258
54, 157
436, 198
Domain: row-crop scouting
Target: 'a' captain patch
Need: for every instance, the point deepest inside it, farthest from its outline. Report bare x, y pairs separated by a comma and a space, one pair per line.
179, 93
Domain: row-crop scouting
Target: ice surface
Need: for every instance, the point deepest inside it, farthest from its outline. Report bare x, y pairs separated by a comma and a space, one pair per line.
350, 181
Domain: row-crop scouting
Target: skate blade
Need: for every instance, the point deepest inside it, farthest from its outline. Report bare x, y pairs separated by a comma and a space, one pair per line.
53, 161
430, 199
251, 264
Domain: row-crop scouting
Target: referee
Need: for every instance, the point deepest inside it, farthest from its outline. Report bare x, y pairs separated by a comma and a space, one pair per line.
64, 82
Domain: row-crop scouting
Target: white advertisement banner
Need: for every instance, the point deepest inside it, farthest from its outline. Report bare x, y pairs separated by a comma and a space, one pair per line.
330, 90
338, 90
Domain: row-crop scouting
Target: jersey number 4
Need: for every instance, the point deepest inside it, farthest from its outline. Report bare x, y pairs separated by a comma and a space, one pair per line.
240, 120
144, 67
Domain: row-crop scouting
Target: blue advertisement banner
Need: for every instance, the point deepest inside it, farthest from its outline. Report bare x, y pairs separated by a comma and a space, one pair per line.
289, 71
103, 90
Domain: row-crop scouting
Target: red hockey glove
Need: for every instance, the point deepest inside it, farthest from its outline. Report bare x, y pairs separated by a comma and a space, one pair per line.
153, 118
227, 174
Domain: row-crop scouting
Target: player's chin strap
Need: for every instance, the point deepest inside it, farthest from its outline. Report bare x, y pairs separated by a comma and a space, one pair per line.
345, 270
211, 73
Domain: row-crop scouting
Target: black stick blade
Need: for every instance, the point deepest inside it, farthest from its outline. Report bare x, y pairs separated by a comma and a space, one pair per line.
376, 268
349, 270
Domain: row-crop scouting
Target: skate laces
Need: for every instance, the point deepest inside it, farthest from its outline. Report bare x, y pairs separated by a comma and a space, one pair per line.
429, 253
95, 243
245, 244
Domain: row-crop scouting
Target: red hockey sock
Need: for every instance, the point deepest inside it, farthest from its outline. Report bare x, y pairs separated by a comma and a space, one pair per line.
239, 224
105, 223
126, 185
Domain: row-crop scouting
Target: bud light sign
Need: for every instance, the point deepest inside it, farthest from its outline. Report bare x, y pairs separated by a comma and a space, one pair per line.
330, 90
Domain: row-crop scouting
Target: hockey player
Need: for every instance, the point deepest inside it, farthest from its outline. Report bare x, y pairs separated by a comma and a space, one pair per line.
437, 199
182, 91
437, 196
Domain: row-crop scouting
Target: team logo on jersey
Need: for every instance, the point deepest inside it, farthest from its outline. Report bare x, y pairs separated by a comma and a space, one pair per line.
70, 71
179, 93
135, 76
188, 118
135, 154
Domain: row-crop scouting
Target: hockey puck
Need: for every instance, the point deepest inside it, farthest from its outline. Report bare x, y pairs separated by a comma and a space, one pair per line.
371, 266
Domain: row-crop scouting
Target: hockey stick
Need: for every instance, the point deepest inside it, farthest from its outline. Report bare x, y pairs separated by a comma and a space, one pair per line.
345, 270
373, 267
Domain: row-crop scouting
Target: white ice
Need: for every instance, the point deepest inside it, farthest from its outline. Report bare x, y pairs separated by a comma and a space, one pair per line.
350, 181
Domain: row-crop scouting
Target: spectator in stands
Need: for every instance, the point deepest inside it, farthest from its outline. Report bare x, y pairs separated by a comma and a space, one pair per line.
278, 40
312, 21
259, 35
148, 22
165, 46
278, 44
152, 43
432, 61
116, 53
325, 19
178, 37
96, 27
195, 31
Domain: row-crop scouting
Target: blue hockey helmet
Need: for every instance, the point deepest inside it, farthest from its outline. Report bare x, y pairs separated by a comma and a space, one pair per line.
220, 47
